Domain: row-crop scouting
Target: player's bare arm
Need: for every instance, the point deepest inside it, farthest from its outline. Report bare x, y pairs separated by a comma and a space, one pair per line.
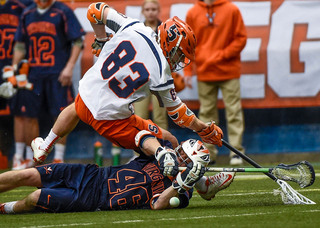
65, 77
19, 52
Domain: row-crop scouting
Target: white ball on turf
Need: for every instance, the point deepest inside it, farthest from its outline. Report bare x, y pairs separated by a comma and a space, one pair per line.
174, 202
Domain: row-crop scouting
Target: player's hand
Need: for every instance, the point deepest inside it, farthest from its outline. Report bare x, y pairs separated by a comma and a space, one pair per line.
7, 90
8, 75
167, 159
98, 44
187, 178
211, 134
95, 12
65, 77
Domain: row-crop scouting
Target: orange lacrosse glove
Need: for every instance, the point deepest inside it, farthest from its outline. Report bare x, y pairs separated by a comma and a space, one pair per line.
211, 134
178, 82
98, 44
8, 74
95, 12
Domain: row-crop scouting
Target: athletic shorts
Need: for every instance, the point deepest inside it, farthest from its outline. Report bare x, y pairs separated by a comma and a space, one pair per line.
120, 132
47, 93
69, 187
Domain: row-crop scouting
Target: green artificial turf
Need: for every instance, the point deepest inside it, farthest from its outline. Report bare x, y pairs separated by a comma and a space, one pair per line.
248, 202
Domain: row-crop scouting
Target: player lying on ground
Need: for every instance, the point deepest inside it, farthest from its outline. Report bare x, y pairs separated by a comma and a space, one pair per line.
138, 184
129, 66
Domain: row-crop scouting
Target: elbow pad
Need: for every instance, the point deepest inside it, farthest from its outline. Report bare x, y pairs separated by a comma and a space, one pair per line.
182, 116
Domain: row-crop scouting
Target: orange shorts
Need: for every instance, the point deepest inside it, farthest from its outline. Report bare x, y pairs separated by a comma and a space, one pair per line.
120, 132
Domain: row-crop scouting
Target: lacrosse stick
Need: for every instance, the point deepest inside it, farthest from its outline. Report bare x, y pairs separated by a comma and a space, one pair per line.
301, 172
288, 194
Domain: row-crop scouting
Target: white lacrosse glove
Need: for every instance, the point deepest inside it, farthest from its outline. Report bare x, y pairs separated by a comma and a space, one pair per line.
187, 178
7, 90
168, 162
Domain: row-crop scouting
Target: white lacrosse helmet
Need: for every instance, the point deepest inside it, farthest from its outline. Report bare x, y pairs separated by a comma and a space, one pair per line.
192, 150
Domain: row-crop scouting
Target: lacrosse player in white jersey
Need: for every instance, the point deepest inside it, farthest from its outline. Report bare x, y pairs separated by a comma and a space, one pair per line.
131, 65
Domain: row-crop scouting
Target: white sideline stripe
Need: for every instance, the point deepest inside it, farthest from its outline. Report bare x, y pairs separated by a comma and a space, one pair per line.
208, 216
60, 225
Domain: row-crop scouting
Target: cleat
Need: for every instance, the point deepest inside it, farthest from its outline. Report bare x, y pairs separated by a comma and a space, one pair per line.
217, 183
19, 164
236, 160
57, 161
2, 211
39, 155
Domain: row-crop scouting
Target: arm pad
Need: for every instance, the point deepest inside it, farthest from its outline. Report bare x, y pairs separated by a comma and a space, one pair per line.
182, 116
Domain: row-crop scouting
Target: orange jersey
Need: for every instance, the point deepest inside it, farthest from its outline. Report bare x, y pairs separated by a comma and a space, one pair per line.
120, 132
221, 36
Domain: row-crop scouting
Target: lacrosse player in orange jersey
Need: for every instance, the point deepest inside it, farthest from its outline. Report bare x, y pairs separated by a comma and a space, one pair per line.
129, 66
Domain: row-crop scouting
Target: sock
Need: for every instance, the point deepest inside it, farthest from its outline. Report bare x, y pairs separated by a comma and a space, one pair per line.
8, 207
49, 141
201, 184
59, 151
29, 153
19, 150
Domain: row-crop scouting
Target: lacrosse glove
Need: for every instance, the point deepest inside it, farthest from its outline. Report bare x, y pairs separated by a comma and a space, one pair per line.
187, 178
168, 162
211, 134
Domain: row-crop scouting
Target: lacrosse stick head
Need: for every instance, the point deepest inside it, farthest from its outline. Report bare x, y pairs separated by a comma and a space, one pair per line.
289, 195
192, 150
301, 173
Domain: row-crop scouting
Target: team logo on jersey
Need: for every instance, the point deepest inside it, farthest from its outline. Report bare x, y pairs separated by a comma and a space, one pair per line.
48, 169
53, 14
173, 33
14, 7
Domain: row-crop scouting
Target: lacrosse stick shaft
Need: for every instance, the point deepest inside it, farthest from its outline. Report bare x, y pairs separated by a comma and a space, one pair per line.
246, 158
218, 169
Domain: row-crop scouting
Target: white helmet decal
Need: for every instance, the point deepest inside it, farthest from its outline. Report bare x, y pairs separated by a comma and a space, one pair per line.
194, 151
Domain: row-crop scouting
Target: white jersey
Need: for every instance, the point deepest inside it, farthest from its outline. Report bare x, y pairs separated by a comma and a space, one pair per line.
129, 66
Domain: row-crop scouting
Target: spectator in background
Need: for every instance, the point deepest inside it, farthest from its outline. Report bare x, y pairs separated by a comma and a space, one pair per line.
221, 35
52, 35
10, 12
151, 11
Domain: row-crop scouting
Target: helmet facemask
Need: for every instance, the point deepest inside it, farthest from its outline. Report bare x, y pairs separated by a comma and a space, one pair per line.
177, 42
192, 150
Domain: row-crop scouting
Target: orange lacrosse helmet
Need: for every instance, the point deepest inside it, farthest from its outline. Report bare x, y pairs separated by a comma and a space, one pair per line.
173, 35
42, 4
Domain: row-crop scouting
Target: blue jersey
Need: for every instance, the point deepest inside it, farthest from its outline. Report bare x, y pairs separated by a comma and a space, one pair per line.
48, 38
10, 14
77, 187
133, 185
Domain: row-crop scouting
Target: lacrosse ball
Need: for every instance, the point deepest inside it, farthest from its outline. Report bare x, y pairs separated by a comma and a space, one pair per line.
174, 202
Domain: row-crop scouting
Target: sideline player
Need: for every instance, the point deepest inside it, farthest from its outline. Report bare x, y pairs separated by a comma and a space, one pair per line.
129, 66
139, 184
10, 12
51, 36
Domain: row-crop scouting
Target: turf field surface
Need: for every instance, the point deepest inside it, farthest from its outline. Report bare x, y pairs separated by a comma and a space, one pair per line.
248, 202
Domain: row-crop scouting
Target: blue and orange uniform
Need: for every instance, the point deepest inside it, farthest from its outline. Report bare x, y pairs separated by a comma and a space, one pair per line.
10, 13
76, 187
48, 37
